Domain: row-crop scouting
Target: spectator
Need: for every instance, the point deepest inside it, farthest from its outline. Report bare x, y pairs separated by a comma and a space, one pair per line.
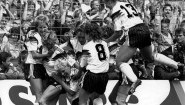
97, 13
4, 58
8, 68
179, 47
169, 14
182, 25
13, 45
3, 26
163, 72
165, 39
179, 50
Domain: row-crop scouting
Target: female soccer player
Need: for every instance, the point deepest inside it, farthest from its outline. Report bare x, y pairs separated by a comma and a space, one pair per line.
95, 59
126, 17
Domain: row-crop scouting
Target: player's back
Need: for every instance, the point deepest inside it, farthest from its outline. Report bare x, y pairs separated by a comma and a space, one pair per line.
98, 62
125, 15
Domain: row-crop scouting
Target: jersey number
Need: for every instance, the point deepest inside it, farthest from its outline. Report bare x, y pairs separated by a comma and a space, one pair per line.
101, 52
128, 13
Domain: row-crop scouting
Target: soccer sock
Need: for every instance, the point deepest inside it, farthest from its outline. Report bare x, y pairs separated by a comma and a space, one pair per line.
127, 70
160, 58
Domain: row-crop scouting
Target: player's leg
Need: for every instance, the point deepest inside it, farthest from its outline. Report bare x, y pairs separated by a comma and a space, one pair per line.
124, 54
122, 94
37, 82
157, 57
36, 85
50, 94
113, 94
87, 87
95, 99
83, 97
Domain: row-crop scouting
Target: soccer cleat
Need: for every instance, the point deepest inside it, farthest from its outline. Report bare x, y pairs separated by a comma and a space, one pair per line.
134, 86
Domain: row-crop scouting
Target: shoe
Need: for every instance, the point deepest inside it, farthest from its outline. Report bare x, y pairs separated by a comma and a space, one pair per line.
134, 86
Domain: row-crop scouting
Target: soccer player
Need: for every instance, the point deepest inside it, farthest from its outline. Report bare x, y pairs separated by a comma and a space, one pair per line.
126, 17
95, 60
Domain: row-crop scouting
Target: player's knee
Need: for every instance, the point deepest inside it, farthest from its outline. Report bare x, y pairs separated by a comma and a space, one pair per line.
118, 63
152, 58
121, 65
42, 101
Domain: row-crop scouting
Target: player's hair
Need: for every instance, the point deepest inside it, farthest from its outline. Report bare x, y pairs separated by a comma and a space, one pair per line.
94, 31
79, 30
107, 31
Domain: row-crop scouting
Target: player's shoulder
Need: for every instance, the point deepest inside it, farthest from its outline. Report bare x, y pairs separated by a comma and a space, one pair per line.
88, 45
104, 43
117, 7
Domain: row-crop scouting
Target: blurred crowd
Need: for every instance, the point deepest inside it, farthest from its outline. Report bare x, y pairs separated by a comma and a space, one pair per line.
19, 19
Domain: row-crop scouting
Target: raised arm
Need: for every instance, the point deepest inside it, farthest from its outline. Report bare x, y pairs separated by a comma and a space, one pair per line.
1, 12
8, 11
49, 4
41, 3
62, 12
24, 16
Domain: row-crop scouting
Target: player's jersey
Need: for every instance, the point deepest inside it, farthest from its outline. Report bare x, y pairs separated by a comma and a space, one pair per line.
125, 16
98, 62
